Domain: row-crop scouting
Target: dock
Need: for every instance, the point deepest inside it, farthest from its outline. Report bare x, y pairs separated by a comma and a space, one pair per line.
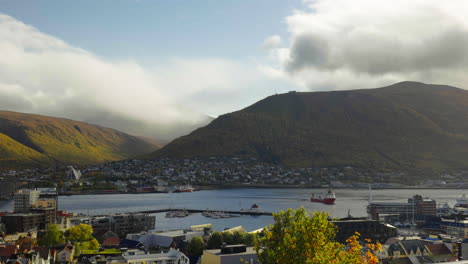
201, 211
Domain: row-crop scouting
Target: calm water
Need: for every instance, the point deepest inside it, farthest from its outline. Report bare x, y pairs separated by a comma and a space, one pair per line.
271, 200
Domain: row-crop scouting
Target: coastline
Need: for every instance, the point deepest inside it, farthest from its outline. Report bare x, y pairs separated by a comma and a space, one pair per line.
257, 186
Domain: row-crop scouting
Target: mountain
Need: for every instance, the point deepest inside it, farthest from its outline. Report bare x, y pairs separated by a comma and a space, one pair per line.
407, 125
27, 139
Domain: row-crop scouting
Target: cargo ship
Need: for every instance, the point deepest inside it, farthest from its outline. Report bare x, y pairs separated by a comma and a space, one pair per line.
327, 198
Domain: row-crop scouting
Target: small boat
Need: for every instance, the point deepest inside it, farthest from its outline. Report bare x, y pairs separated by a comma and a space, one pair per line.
328, 198
462, 202
184, 188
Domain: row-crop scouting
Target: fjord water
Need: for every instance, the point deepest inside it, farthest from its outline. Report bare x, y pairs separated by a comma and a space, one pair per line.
353, 201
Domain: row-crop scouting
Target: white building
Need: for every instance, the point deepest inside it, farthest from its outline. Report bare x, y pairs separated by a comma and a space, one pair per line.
73, 174
171, 257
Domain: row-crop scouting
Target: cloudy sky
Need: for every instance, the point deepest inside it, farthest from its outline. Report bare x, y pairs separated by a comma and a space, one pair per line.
158, 68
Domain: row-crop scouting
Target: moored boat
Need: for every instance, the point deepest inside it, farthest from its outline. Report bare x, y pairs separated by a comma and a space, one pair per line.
184, 188
327, 198
462, 202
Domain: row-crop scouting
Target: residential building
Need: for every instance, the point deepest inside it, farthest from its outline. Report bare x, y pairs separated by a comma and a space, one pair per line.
22, 222
66, 254
122, 224
165, 239
64, 220
370, 229
455, 227
232, 254
23, 200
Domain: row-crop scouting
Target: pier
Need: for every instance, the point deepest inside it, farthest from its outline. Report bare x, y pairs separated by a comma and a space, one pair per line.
201, 211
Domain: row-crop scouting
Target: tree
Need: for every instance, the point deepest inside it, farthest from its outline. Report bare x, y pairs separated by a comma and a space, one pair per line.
82, 236
53, 236
215, 241
218, 238
81, 232
295, 237
249, 239
195, 246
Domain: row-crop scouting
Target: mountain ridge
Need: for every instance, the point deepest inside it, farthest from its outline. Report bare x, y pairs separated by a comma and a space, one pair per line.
46, 140
404, 125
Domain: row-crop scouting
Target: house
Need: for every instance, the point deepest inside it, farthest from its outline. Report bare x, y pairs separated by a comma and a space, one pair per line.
237, 229
414, 247
232, 254
42, 255
66, 254
7, 251
439, 253
111, 242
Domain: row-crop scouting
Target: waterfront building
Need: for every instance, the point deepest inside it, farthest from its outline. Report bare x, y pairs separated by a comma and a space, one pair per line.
416, 210
23, 200
232, 254
122, 224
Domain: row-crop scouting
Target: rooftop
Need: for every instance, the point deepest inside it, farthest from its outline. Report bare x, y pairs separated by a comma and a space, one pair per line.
249, 250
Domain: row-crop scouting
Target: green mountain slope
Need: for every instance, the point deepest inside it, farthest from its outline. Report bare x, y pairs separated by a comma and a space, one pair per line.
407, 125
35, 139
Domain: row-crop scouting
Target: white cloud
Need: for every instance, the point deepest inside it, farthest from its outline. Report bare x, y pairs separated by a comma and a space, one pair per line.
343, 44
44, 75
272, 42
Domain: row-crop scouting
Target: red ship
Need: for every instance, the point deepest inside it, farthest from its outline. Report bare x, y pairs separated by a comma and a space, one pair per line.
328, 198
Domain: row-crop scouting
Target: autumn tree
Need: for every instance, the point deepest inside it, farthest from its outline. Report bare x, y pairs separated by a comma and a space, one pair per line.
82, 236
195, 246
53, 236
298, 237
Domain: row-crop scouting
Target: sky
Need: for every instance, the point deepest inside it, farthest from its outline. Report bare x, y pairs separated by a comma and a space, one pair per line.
160, 68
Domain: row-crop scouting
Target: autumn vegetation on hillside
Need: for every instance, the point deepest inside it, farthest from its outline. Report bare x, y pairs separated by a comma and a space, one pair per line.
27, 139
407, 125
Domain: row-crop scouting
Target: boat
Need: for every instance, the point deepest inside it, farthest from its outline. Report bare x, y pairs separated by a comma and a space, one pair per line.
254, 209
184, 188
327, 198
462, 202
177, 213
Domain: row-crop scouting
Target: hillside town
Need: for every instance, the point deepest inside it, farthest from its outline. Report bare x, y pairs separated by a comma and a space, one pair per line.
215, 172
